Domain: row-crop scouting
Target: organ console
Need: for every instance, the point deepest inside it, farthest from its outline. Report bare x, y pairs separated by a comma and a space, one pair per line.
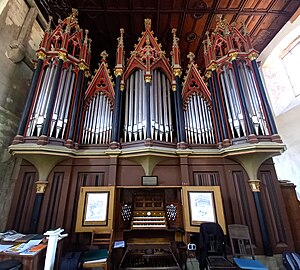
150, 211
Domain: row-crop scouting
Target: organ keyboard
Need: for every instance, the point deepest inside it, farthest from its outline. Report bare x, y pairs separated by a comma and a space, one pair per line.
149, 220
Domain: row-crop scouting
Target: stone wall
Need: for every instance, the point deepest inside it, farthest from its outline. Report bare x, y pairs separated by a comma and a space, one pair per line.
18, 40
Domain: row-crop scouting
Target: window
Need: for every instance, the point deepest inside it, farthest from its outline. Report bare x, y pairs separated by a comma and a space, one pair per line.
290, 62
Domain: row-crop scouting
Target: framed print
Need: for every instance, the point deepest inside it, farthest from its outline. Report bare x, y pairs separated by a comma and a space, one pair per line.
95, 209
202, 207
202, 204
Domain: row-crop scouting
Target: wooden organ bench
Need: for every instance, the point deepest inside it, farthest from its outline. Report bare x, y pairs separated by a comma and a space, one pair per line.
148, 253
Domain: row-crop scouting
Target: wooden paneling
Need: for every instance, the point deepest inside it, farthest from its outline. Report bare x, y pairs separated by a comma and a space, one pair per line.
25, 203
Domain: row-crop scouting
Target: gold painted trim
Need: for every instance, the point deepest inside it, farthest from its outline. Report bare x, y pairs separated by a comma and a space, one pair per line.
41, 55
148, 78
62, 55
177, 72
252, 56
233, 56
118, 72
212, 67
41, 187
254, 185
82, 66
208, 74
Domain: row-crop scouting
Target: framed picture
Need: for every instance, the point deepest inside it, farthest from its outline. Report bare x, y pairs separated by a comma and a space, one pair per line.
202, 204
95, 209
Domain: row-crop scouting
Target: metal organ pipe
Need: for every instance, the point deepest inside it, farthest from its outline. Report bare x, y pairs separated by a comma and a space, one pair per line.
39, 108
232, 103
254, 100
62, 105
97, 126
198, 121
136, 104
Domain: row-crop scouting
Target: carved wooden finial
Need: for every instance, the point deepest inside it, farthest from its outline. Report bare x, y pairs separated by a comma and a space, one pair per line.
74, 14
48, 28
244, 28
207, 38
90, 44
148, 24
222, 24
191, 56
104, 55
120, 39
86, 36
175, 39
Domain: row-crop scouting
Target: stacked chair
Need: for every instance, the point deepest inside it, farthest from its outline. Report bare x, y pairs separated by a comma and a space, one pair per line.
242, 248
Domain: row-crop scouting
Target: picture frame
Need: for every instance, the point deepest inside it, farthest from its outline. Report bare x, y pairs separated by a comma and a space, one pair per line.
95, 209
202, 204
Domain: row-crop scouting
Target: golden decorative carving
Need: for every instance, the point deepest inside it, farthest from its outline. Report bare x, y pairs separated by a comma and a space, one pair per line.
148, 78
213, 66
252, 56
191, 56
62, 55
177, 72
87, 73
254, 185
104, 55
175, 39
122, 86
41, 186
82, 66
174, 87
233, 56
208, 74
118, 72
148, 24
41, 55
120, 39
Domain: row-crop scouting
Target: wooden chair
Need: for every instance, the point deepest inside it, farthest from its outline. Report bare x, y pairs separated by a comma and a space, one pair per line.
242, 247
100, 257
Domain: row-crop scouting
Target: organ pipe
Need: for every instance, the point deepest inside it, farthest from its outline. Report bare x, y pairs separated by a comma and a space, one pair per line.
136, 104
97, 125
198, 121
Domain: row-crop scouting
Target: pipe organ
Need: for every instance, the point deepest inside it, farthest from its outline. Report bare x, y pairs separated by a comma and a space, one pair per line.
230, 60
147, 121
147, 92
